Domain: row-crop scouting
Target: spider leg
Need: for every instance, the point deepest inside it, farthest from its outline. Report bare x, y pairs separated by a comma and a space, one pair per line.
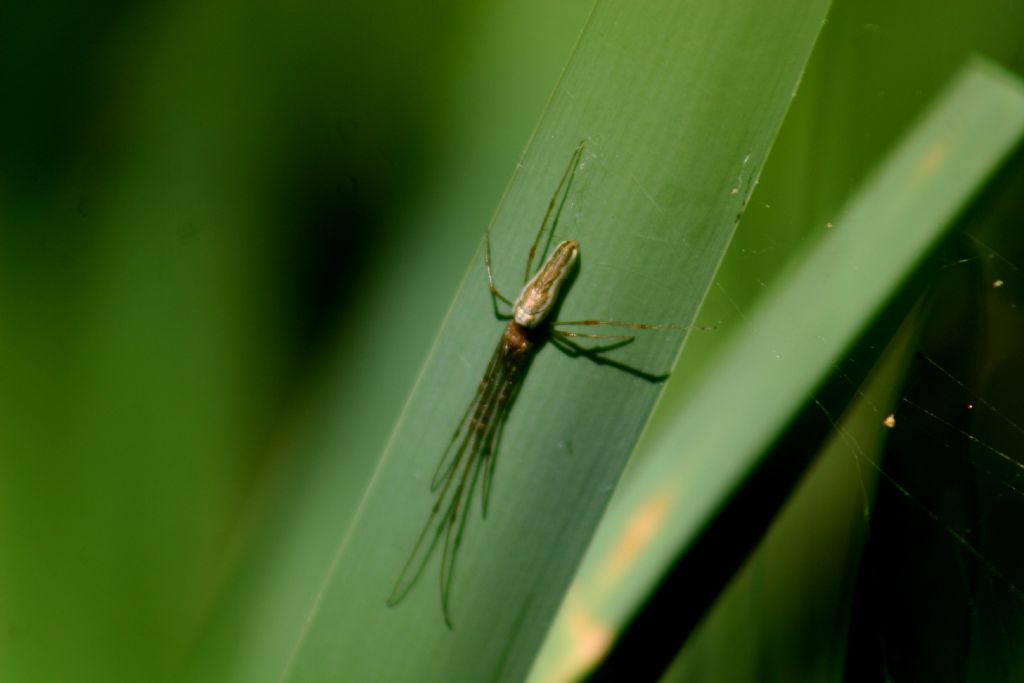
495, 294
565, 182
447, 471
455, 523
634, 326
417, 560
584, 335
477, 406
490, 453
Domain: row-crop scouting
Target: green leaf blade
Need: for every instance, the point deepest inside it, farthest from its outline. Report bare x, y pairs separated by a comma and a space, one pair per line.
792, 341
677, 107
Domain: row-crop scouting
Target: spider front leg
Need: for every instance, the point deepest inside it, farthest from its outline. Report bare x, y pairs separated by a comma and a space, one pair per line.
565, 335
563, 189
564, 341
587, 335
620, 323
638, 326
495, 294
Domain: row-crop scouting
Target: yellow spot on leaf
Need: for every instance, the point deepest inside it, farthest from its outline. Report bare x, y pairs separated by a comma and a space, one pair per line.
932, 158
588, 642
636, 536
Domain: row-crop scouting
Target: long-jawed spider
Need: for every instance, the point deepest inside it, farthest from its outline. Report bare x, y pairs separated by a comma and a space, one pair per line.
473, 447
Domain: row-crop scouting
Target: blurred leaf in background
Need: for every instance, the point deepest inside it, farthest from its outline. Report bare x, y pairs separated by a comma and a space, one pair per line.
229, 235
874, 68
696, 505
202, 206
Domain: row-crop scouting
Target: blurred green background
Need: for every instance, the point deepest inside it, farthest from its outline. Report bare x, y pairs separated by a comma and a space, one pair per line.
227, 232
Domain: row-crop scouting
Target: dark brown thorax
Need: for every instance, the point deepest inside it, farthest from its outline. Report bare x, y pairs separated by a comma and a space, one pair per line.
519, 341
